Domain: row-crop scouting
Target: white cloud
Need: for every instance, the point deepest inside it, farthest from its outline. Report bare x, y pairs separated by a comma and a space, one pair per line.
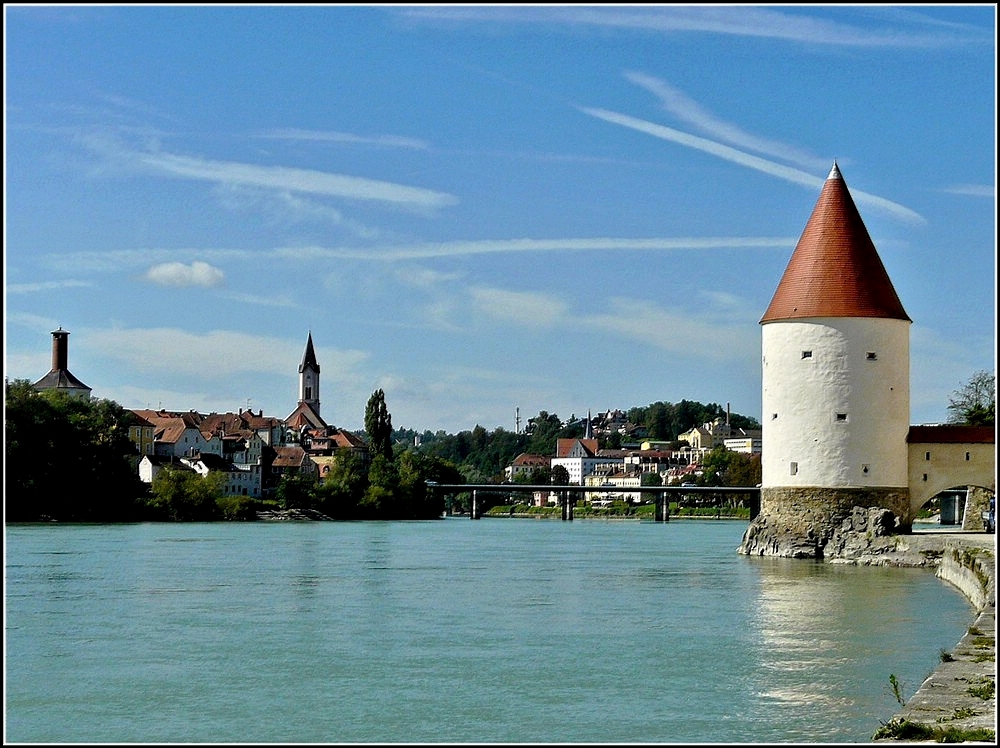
272, 301
973, 190
886, 30
492, 246
745, 159
218, 354
678, 331
679, 104
121, 158
119, 260
34, 322
332, 136
520, 307
178, 274
939, 366
24, 288
293, 179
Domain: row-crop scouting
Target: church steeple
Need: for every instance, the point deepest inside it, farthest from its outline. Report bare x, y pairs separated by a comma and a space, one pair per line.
309, 377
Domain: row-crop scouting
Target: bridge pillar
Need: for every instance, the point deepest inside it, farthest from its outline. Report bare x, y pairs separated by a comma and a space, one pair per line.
662, 513
474, 514
567, 507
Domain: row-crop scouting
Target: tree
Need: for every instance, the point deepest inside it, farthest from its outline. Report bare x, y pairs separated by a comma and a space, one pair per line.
560, 476
380, 497
975, 402
341, 490
184, 496
378, 425
295, 491
67, 458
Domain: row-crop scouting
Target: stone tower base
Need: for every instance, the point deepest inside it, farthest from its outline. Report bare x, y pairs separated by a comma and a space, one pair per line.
799, 522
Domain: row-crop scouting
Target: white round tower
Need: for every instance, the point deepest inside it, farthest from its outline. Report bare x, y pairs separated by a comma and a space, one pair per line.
836, 393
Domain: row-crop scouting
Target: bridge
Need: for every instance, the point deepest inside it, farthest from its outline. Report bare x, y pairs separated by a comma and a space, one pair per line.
567, 501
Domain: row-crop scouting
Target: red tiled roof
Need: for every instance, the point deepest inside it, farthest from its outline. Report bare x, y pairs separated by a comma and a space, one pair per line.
835, 270
952, 434
565, 446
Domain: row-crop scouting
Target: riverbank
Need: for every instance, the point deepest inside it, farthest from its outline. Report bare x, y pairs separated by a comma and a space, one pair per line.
957, 701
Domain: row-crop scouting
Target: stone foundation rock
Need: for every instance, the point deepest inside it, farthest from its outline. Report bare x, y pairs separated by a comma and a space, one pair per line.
802, 522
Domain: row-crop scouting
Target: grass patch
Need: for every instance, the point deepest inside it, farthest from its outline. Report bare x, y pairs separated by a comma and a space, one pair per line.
985, 657
986, 689
903, 729
961, 713
975, 630
983, 642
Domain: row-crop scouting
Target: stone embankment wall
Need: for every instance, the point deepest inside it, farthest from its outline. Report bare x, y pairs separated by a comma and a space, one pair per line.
973, 571
959, 696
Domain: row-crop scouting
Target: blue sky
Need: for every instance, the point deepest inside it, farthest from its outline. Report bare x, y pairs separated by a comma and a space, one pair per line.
480, 209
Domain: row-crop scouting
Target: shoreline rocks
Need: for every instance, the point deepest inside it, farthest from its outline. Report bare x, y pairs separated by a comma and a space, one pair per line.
297, 515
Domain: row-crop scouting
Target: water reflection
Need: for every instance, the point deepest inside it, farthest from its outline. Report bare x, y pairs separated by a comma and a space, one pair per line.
816, 617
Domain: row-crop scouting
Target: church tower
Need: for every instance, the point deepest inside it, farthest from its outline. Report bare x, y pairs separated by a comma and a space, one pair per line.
309, 378
835, 344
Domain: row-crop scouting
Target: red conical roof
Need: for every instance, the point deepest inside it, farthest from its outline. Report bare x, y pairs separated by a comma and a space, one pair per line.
835, 270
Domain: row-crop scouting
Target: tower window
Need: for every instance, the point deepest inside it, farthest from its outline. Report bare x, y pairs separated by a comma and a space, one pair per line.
925, 477
774, 416
968, 456
927, 455
871, 356
807, 354
794, 468
864, 469
309, 393
842, 416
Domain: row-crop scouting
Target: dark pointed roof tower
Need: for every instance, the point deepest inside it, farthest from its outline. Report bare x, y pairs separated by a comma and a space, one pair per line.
835, 270
309, 357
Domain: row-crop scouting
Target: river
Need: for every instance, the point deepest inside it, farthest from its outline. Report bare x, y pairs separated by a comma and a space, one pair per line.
497, 630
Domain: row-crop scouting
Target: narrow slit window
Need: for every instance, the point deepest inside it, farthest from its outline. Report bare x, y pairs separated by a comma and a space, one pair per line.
807, 354
968, 456
871, 356
794, 467
774, 416
925, 477
864, 469
927, 455
842, 416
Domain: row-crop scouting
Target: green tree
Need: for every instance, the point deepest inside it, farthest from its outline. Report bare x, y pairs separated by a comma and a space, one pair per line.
341, 490
379, 500
560, 476
295, 491
378, 425
67, 458
181, 495
650, 479
975, 402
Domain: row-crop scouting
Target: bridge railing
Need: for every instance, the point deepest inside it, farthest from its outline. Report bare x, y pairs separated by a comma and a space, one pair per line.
661, 514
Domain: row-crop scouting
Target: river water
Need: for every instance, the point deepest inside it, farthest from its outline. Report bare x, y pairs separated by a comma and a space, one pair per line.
498, 630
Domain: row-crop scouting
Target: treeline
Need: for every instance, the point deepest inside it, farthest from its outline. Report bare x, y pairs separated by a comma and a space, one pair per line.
70, 459
482, 455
